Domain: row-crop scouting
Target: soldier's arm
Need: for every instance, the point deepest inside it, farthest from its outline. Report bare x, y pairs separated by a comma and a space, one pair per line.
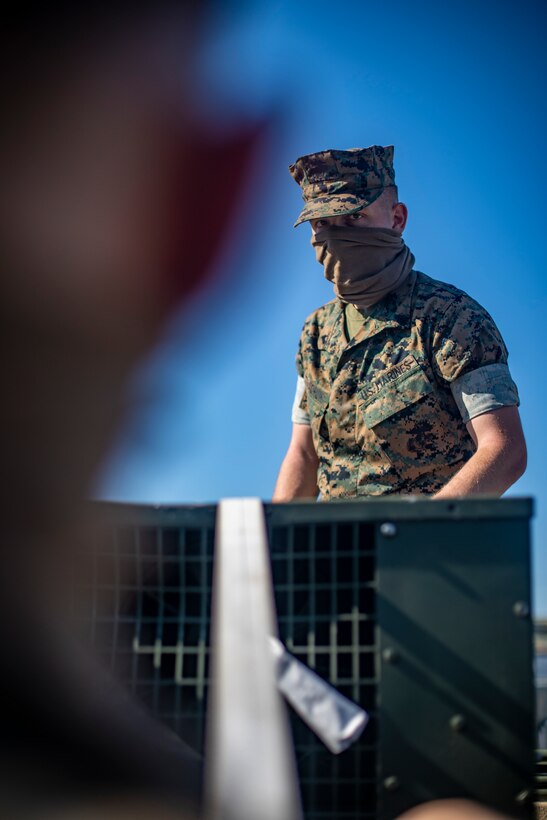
298, 474
500, 458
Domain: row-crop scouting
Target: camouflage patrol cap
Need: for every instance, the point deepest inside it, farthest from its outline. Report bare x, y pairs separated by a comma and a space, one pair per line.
341, 182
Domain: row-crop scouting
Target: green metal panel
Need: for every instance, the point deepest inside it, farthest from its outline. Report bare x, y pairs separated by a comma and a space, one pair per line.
324, 578
142, 594
407, 508
456, 713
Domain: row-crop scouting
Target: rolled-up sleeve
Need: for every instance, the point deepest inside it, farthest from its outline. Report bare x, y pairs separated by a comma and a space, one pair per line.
300, 413
483, 390
471, 357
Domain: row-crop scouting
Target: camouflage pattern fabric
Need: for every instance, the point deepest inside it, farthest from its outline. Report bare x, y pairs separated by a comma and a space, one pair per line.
382, 414
337, 182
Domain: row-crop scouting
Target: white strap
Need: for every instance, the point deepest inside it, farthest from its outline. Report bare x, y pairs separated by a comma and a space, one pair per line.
250, 766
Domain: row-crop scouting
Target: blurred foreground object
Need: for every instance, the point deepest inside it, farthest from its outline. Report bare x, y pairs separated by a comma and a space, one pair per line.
452, 810
106, 185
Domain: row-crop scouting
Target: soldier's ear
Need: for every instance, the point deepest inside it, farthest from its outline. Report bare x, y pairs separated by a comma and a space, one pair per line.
399, 217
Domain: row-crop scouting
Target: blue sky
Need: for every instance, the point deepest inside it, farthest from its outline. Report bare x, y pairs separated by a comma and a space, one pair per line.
459, 90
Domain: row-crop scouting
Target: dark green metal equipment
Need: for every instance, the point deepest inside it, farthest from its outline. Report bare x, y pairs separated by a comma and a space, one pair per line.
417, 609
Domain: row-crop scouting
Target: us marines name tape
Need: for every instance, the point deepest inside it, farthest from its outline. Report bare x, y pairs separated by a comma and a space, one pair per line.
389, 376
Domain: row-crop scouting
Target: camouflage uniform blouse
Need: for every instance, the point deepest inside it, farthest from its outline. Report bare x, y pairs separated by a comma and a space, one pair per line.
388, 408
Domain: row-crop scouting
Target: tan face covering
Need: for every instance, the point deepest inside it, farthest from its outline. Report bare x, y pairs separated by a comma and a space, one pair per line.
364, 264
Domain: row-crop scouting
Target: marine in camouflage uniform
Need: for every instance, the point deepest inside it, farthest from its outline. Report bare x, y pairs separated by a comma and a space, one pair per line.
389, 406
